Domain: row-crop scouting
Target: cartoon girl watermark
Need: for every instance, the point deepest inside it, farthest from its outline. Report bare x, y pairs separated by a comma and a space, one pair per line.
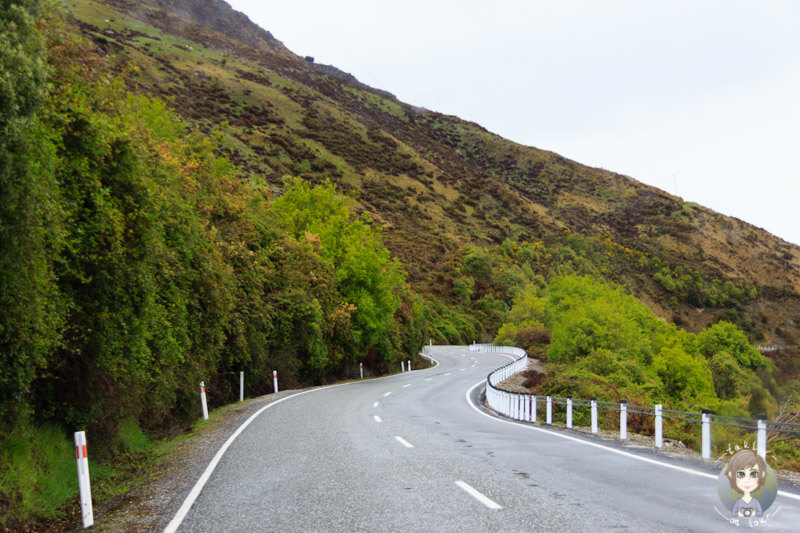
747, 487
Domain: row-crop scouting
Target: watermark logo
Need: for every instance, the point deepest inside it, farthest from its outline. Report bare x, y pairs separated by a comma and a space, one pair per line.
747, 487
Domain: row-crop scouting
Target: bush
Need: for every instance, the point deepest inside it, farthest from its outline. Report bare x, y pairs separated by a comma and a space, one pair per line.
724, 336
730, 381
532, 378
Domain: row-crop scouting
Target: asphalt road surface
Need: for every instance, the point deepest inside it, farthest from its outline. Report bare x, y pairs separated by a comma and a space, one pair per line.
416, 452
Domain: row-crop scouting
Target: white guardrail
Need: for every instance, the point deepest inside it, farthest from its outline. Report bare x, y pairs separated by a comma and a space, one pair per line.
523, 407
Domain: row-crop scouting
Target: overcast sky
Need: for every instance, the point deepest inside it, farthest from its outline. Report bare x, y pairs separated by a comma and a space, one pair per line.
698, 98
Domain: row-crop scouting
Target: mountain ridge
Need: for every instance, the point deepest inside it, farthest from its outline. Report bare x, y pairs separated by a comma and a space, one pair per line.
434, 182
183, 207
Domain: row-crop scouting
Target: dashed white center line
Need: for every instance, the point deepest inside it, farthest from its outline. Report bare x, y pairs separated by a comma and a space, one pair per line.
406, 385
376, 404
448, 373
428, 379
377, 419
387, 394
404, 442
478, 496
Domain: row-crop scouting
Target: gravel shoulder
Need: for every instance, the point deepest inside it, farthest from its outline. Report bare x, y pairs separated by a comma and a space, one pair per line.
162, 488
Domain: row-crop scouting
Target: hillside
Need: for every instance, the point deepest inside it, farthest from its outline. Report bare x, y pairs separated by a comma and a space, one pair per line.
185, 199
434, 182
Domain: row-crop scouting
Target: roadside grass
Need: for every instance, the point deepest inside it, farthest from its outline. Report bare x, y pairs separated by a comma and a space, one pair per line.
38, 473
38, 477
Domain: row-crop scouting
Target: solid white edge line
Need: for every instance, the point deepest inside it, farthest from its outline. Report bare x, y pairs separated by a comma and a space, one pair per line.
176, 521
204, 477
404, 442
478, 496
601, 446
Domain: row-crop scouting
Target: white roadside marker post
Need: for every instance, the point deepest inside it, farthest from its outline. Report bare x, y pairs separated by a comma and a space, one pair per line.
569, 412
241, 386
594, 415
549, 413
409, 365
361, 369
526, 408
402, 366
705, 418
275, 380
659, 427
83, 479
203, 402
623, 419
761, 436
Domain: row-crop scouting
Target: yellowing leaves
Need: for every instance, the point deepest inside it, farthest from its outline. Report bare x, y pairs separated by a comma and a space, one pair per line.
312, 238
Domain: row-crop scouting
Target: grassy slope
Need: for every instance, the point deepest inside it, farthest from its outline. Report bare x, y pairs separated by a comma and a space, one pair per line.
434, 182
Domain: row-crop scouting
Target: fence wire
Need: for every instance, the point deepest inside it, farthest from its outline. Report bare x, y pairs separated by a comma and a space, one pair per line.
748, 424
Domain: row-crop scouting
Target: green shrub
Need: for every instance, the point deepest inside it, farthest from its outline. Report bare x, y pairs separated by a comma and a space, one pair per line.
724, 336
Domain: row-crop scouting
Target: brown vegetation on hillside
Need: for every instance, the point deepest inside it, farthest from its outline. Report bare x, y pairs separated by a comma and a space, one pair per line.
433, 181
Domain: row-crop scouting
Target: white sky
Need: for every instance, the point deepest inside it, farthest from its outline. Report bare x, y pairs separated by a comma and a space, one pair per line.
699, 98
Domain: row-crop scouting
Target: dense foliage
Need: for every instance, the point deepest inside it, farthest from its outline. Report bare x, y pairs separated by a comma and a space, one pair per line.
606, 343
599, 341
135, 264
31, 314
136, 259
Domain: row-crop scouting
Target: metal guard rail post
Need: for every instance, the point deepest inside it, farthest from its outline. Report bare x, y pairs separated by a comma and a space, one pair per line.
522, 407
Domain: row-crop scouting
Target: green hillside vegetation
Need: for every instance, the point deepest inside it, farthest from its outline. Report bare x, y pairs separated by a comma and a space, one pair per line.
599, 341
185, 200
136, 265
435, 183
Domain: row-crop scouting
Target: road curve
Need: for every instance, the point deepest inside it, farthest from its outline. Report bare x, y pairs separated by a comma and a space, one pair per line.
414, 451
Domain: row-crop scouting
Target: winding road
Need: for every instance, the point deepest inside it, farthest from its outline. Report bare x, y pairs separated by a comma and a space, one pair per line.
417, 452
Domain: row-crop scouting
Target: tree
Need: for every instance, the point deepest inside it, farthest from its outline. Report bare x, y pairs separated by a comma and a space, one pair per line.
368, 280
726, 337
730, 381
685, 378
30, 219
585, 315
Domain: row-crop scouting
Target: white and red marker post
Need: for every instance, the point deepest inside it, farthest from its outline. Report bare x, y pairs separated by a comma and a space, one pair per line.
275, 380
361, 368
203, 400
83, 479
